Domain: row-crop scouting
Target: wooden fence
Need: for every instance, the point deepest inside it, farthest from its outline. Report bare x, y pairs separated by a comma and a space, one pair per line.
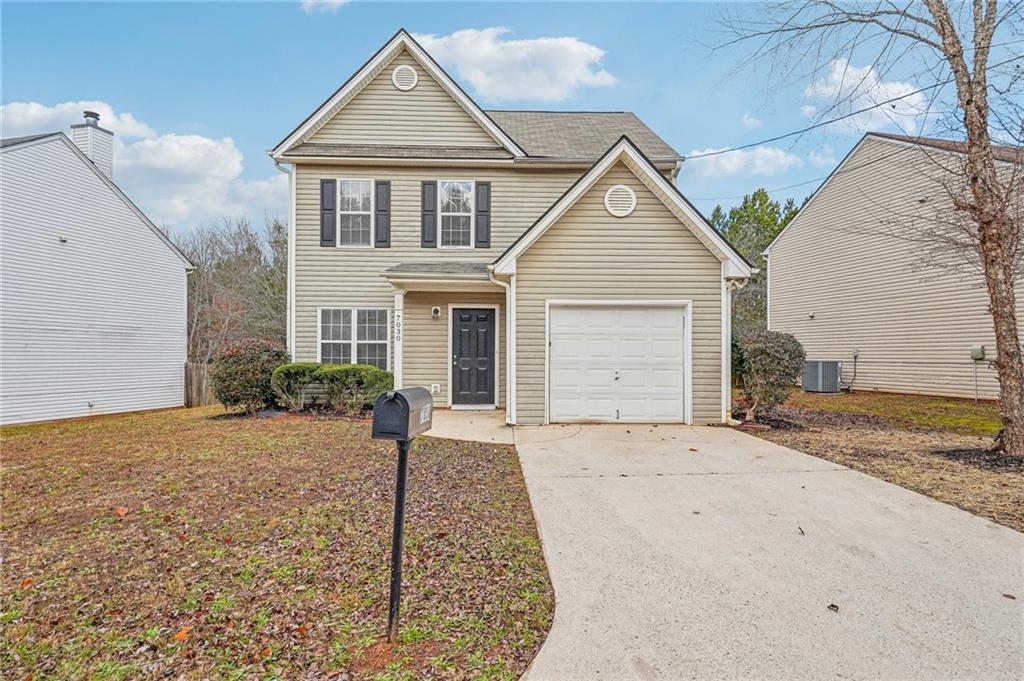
197, 387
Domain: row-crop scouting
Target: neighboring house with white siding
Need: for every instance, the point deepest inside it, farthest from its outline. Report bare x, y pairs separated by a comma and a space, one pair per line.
93, 294
538, 262
853, 277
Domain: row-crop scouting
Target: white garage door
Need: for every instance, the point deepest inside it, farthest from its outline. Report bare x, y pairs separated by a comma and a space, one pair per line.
616, 363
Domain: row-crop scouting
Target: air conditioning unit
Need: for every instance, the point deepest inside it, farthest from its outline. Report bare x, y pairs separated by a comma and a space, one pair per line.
822, 376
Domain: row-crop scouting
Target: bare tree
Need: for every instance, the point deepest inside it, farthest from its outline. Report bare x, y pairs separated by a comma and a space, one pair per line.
950, 44
239, 286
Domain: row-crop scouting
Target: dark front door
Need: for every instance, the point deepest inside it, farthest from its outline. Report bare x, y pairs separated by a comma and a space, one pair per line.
473, 361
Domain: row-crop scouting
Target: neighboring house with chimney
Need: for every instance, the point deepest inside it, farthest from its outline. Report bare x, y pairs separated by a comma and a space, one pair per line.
93, 310
857, 277
543, 263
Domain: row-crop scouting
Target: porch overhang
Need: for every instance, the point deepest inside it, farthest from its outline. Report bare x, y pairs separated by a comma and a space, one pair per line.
440, 276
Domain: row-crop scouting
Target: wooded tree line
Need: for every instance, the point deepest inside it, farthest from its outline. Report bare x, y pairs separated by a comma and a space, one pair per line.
239, 286
751, 227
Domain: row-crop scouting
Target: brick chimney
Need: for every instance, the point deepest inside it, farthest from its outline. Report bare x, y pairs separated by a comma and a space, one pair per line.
95, 142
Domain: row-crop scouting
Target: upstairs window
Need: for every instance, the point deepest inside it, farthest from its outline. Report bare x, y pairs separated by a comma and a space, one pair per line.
455, 206
355, 213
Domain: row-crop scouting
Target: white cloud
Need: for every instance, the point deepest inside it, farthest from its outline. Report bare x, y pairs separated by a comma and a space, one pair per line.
808, 110
25, 118
823, 158
762, 160
315, 6
177, 179
750, 122
499, 70
852, 88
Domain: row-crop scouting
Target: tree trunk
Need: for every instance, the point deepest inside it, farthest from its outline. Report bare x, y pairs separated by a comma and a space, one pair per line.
994, 233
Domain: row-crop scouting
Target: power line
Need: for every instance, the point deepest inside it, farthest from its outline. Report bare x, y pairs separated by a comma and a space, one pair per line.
820, 124
835, 173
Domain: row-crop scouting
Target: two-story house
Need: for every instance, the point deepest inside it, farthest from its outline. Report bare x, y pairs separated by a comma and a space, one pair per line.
538, 262
93, 295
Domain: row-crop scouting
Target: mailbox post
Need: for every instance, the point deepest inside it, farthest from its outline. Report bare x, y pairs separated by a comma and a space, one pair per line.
400, 415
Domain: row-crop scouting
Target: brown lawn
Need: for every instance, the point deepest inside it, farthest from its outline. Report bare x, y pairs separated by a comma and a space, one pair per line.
936, 446
192, 544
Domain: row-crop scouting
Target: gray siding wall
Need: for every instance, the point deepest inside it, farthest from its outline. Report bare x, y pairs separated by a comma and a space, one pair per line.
867, 289
589, 254
93, 325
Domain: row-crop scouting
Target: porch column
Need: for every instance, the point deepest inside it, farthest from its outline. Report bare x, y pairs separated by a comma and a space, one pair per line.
397, 334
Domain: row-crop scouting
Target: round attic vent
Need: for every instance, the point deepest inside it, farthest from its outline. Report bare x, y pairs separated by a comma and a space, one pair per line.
404, 77
620, 200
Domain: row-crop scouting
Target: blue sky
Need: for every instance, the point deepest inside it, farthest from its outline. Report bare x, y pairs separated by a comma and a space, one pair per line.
197, 91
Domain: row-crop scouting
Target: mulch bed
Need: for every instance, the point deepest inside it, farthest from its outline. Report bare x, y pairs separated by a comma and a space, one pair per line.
179, 544
959, 469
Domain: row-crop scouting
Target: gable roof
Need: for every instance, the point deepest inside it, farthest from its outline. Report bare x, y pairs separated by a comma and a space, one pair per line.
625, 150
401, 40
580, 134
999, 152
11, 142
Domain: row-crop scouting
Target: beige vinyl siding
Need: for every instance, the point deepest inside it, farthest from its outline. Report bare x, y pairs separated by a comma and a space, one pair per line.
426, 343
351, 277
380, 113
590, 255
913, 326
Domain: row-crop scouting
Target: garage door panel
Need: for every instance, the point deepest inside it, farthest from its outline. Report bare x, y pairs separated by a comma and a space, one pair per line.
616, 363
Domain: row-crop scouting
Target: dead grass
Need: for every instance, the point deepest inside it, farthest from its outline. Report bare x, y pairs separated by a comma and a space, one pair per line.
191, 545
909, 411
938, 447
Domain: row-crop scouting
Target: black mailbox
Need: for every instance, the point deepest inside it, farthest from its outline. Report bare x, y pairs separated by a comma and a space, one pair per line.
403, 414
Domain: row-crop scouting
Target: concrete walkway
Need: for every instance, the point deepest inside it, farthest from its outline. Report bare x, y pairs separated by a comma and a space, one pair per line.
704, 553
472, 426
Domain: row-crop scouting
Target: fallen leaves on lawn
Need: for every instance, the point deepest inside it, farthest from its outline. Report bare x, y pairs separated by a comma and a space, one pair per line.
27, 582
265, 542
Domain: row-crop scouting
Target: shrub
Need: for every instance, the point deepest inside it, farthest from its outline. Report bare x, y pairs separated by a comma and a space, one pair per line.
240, 373
290, 382
772, 364
353, 387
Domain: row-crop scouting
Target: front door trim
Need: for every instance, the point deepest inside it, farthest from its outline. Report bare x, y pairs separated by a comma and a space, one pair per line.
687, 306
497, 353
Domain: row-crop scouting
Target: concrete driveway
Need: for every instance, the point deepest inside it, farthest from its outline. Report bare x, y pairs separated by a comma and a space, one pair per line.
705, 553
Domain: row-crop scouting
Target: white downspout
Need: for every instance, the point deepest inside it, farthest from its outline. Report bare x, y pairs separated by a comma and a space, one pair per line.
290, 304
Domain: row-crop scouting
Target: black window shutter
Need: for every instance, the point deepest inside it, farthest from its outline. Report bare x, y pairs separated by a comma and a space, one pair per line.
483, 214
428, 234
328, 214
382, 214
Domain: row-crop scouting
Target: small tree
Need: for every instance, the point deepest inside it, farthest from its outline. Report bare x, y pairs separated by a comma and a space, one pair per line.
241, 373
772, 364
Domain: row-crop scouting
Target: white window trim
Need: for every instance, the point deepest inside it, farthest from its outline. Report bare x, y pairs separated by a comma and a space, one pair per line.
355, 325
373, 215
497, 354
472, 217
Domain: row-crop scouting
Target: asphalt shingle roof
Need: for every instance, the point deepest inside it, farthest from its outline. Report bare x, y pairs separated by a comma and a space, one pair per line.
1001, 153
579, 134
10, 141
394, 151
462, 269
